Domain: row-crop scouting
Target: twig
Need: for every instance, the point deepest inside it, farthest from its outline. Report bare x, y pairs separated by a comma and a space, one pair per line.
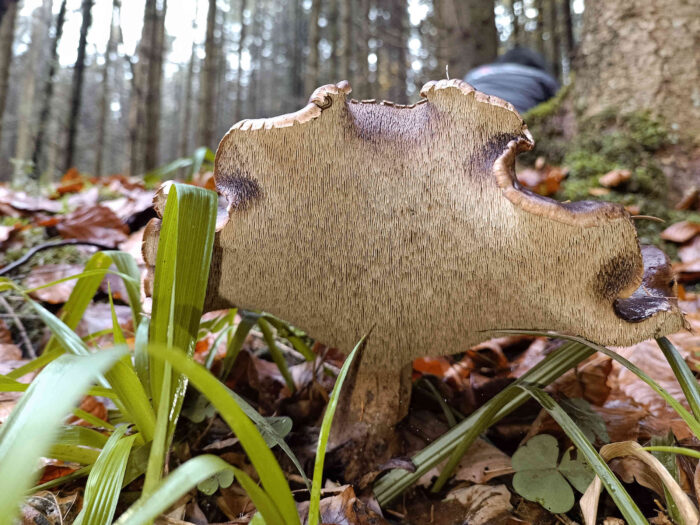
20, 327
31, 253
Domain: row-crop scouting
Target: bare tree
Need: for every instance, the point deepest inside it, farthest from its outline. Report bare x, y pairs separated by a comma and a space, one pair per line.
6, 6
554, 38
7, 34
156, 12
345, 39
205, 134
184, 146
314, 38
26, 121
104, 98
45, 115
77, 90
239, 70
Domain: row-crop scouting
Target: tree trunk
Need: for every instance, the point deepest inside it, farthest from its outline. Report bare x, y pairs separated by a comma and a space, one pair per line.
156, 13
184, 146
334, 39
363, 83
45, 115
205, 134
515, 36
467, 35
554, 38
239, 73
296, 72
254, 86
568, 26
345, 39
77, 93
314, 38
104, 98
7, 36
396, 43
633, 58
26, 121
537, 33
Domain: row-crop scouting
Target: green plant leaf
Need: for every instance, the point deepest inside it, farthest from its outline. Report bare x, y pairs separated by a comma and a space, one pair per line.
622, 499
589, 421
324, 434
223, 479
34, 423
105, 480
127, 266
550, 368
685, 377
261, 457
577, 471
239, 335
537, 477
276, 354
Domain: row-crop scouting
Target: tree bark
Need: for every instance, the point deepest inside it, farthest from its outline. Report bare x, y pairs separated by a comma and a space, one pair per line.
7, 36
314, 38
296, 72
45, 115
334, 39
152, 112
466, 35
104, 98
345, 39
554, 38
239, 72
364, 87
184, 146
205, 134
77, 90
26, 121
633, 58
568, 26
396, 43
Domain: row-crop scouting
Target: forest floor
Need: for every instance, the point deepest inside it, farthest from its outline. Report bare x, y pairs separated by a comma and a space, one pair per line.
608, 402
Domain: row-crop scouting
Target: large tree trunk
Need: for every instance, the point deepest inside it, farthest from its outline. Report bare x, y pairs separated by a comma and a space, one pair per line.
26, 121
205, 135
345, 39
45, 115
78, 76
362, 81
239, 70
555, 40
156, 13
7, 35
184, 146
467, 35
643, 57
314, 38
396, 43
104, 98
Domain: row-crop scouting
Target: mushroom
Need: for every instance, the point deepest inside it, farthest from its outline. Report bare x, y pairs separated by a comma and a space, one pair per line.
350, 215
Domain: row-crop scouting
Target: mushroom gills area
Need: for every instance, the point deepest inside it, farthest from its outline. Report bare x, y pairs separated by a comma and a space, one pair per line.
655, 294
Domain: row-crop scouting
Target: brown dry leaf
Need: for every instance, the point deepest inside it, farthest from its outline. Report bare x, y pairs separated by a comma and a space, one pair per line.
483, 504
10, 352
96, 224
588, 380
621, 419
599, 192
48, 509
91, 405
84, 199
344, 509
58, 293
131, 203
614, 178
22, 201
98, 317
681, 232
481, 463
687, 272
690, 252
132, 246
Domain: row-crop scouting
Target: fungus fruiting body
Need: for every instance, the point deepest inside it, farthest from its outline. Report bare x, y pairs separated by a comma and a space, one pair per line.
350, 215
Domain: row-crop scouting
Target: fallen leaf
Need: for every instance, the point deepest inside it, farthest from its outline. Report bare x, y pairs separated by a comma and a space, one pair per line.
614, 178
344, 509
483, 504
691, 251
599, 192
93, 406
681, 232
22, 201
95, 224
48, 509
98, 317
58, 293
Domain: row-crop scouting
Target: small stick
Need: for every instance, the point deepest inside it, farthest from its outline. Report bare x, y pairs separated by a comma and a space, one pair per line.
20, 327
647, 217
31, 253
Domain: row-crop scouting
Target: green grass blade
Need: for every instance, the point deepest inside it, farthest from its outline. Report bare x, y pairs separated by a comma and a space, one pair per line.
260, 455
685, 377
127, 266
35, 364
264, 504
93, 420
81, 436
179, 482
298, 344
622, 499
73, 454
235, 345
324, 434
34, 423
83, 292
550, 368
276, 354
159, 447
141, 354
675, 450
693, 423
105, 480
